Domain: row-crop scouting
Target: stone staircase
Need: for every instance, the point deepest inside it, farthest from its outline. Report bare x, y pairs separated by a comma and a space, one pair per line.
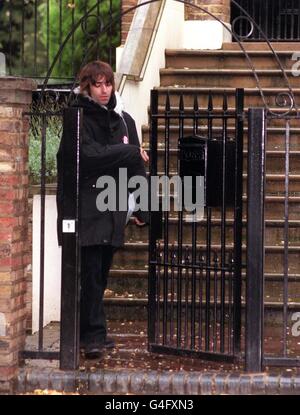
190, 71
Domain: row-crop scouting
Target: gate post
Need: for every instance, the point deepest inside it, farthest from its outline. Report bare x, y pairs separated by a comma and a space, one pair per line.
70, 265
255, 240
15, 98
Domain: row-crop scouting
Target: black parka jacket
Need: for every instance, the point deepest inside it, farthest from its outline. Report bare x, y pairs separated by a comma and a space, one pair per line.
102, 152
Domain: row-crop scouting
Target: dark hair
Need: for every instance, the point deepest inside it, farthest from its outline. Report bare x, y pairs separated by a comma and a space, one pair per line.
91, 72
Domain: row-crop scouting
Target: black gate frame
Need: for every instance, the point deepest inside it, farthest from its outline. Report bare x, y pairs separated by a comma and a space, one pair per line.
256, 358
159, 268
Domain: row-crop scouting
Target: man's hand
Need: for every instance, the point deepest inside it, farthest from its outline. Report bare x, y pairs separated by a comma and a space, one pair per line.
144, 155
138, 222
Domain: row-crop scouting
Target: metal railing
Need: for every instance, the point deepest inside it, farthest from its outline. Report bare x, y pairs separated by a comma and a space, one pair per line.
195, 262
53, 38
279, 20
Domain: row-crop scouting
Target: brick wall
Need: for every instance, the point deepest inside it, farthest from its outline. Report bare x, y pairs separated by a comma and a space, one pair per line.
219, 8
15, 96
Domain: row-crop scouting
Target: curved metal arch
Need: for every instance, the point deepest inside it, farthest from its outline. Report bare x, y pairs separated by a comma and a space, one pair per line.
289, 95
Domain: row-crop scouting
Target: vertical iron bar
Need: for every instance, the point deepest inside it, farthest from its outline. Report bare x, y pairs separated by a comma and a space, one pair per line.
255, 240
71, 251
208, 239
97, 40
22, 40
251, 12
48, 35
35, 37
152, 234
200, 331
186, 293
279, 20
194, 242
84, 57
238, 221
166, 219
73, 40
240, 23
60, 30
10, 38
157, 290
196, 116
273, 20
180, 219
260, 8
223, 224
250, 9
110, 31
193, 285
286, 16
298, 22
292, 27
267, 16
230, 308
286, 236
215, 322
42, 233
173, 263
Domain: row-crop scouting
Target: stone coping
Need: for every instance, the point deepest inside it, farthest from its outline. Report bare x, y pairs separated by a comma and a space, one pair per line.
145, 382
12, 82
139, 39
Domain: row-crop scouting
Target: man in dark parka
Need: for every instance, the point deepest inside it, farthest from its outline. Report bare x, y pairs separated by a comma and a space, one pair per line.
109, 142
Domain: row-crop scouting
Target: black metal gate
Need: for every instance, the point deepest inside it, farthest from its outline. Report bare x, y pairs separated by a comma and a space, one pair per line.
195, 256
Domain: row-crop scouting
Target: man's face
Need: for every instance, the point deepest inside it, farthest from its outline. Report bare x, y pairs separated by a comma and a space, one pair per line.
101, 90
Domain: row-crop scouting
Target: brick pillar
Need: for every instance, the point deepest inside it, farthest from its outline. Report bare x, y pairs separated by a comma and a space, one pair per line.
219, 8
15, 97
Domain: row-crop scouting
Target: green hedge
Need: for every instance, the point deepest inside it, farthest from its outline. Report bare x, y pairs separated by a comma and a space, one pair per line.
53, 134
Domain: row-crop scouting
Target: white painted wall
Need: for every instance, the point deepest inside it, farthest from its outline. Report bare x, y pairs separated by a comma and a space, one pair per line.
52, 281
207, 34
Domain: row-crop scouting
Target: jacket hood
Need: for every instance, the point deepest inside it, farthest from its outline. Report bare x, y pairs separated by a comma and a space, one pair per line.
115, 103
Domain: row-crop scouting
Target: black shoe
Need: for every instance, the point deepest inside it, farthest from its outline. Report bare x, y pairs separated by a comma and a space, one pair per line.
109, 343
93, 351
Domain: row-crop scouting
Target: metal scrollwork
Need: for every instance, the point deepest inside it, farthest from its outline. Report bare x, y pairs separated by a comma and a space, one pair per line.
283, 100
51, 101
99, 25
240, 36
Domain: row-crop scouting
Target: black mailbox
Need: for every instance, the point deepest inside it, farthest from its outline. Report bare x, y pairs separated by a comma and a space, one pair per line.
199, 156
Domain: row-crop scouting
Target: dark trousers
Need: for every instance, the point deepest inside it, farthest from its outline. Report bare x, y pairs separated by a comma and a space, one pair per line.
95, 264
